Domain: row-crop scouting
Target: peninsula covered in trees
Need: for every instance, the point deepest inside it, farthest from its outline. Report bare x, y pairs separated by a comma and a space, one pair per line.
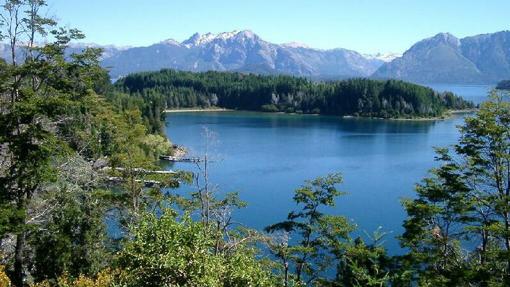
168, 89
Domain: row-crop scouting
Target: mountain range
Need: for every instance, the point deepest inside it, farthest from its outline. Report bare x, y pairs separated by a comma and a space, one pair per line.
241, 51
443, 58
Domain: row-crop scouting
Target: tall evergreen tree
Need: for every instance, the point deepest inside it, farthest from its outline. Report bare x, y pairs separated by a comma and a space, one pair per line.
458, 228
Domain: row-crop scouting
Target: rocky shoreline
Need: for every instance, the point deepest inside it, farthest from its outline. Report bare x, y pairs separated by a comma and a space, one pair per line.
179, 151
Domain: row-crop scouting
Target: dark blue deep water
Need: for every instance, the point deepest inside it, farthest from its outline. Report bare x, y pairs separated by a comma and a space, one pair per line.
265, 157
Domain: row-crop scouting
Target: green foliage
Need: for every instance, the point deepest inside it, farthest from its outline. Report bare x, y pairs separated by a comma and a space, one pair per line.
105, 278
358, 97
74, 151
458, 229
72, 239
157, 145
323, 244
152, 108
65, 151
364, 265
315, 230
39, 97
270, 108
168, 252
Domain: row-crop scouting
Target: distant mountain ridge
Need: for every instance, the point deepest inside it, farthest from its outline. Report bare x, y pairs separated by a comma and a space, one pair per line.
445, 58
242, 51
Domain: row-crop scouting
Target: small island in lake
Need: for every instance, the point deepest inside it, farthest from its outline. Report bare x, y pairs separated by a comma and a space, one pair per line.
170, 89
503, 85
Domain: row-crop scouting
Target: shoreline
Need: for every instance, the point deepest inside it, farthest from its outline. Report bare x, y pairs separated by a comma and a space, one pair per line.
447, 115
179, 151
197, 110
466, 111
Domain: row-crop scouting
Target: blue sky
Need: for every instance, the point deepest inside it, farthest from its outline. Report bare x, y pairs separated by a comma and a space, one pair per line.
362, 25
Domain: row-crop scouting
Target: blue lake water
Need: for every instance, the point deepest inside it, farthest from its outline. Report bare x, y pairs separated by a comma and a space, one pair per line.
474, 93
265, 157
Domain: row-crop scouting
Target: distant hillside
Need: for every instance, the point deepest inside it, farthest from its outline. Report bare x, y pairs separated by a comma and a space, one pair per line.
357, 97
447, 59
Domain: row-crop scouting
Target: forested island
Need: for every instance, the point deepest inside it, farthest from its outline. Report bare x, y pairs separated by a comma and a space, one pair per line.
78, 154
503, 85
170, 89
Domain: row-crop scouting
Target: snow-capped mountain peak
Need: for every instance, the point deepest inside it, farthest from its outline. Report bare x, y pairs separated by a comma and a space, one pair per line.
227, 35
199, 40
170, 42
296, 45
242, 51
385, 57
246, 34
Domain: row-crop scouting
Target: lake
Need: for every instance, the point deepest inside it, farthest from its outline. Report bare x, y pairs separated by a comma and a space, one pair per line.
265, 157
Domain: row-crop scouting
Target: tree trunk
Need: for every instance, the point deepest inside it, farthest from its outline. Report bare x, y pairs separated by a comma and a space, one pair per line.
286, 265
18, 260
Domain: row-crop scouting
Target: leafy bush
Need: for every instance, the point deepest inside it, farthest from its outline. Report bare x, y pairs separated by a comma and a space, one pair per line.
270, 108
168, 252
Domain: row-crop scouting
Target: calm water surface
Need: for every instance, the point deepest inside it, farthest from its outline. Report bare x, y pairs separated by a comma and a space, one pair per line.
265, 157
474, 93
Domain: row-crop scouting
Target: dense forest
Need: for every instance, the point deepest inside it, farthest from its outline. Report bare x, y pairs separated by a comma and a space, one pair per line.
503, 85
77, 155
356, 97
